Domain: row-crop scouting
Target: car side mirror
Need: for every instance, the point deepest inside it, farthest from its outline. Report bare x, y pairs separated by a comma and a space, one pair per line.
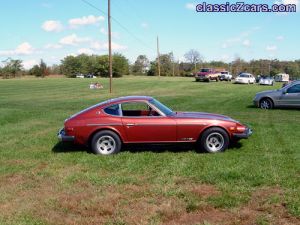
284, 92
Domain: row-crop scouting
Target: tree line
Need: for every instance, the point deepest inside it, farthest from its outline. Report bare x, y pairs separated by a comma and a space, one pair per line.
98, 65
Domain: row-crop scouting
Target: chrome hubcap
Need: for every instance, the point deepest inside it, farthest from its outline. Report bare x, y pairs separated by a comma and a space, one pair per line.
265, 105
215, 142
106, 145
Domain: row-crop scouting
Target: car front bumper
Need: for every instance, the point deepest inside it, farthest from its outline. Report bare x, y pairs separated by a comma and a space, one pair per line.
248, 132
63, 137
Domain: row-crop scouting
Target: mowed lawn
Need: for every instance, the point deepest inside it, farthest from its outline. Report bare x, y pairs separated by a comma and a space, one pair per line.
44, 182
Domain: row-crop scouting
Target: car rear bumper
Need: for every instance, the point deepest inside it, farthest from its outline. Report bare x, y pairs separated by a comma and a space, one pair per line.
248, 132
63, 137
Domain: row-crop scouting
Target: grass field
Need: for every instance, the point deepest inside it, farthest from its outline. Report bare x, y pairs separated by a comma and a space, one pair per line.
44, 182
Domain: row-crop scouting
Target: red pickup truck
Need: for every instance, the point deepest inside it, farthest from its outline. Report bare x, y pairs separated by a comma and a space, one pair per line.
207, 74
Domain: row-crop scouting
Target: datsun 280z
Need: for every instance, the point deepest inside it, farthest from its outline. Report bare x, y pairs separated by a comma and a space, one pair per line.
105, 127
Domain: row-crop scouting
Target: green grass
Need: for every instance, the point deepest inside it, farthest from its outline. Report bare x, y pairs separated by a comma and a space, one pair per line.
43, 182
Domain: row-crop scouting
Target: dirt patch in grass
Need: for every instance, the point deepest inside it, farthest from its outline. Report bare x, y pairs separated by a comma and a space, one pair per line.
204, 190
84, 203
267, 205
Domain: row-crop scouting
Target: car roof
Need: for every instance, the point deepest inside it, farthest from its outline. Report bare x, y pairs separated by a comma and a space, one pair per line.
126, 99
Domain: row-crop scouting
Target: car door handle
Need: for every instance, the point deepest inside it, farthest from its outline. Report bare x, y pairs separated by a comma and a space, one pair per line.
130, 124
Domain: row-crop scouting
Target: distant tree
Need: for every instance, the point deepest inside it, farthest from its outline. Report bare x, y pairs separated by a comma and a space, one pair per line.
96, 65
55, 69
141, 65
70, 66
120, 65
40, 70
166, 65
193, 57
11, 68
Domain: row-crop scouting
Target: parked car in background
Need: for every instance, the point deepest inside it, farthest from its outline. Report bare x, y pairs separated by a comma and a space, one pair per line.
90, 76
207, 74
225, 75
105, 127
79, 76
288, 96
282, 77
245, 78
266, 80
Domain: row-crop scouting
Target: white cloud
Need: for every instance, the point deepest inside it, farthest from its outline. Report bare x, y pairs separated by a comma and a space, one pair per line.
46, 5
53, 46
113, 34
246, 43
190, 6
104, 46
87, 51
73, 39
144, 25
28, 64
85, 20
241, 38
279, 38
287, 2
23, 49
226, 58
271, 48
103, 31
52, 26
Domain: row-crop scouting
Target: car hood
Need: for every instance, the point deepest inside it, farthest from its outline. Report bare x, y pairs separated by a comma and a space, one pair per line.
202, 115
267, 92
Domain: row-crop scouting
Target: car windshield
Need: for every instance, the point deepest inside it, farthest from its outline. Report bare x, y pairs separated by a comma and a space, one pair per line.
244, 75
204, 70
161, 107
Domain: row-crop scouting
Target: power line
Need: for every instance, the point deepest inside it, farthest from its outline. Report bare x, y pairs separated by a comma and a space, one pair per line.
120, 25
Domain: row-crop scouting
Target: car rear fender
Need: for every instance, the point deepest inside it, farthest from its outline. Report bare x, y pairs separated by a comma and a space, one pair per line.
102, 129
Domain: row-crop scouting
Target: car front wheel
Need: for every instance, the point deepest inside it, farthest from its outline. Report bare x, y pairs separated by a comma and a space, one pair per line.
266, 103
106, 143
214, 140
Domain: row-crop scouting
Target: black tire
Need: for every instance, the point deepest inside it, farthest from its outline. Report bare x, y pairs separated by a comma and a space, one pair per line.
214, 140
106, 143
266, 103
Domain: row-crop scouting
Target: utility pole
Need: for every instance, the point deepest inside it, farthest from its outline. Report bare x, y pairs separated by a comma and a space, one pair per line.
173, 64
158, 57
109, 49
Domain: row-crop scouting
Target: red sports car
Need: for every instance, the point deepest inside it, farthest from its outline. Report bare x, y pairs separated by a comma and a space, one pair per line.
141, 119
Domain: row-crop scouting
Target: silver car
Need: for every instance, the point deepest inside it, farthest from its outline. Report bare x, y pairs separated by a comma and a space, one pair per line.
288, 96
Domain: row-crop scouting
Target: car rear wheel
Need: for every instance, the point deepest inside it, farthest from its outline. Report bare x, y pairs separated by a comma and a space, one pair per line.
266, 103
106, 143
214, 140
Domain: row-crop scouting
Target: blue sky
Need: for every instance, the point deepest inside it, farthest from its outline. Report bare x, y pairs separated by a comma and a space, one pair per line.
53, 29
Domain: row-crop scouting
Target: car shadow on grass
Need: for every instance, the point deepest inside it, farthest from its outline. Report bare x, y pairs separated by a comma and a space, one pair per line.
277, 108
138, 148
61, 147
174, 148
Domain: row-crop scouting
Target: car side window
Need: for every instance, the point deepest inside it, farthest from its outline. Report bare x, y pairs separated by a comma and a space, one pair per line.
136, 109
294, 89
112, 110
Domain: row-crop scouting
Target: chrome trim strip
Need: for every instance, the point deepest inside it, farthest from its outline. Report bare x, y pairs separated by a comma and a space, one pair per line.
150, 124
104, 124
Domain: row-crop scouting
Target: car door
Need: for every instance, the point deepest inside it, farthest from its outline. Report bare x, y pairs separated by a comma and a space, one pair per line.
291, 97
143, 125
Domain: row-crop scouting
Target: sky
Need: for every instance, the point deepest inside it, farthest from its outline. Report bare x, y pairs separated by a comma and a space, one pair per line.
52, 29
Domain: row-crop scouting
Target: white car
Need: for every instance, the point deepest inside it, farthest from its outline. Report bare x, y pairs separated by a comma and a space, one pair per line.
266, 81
245, 78
225, 75
79, 76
